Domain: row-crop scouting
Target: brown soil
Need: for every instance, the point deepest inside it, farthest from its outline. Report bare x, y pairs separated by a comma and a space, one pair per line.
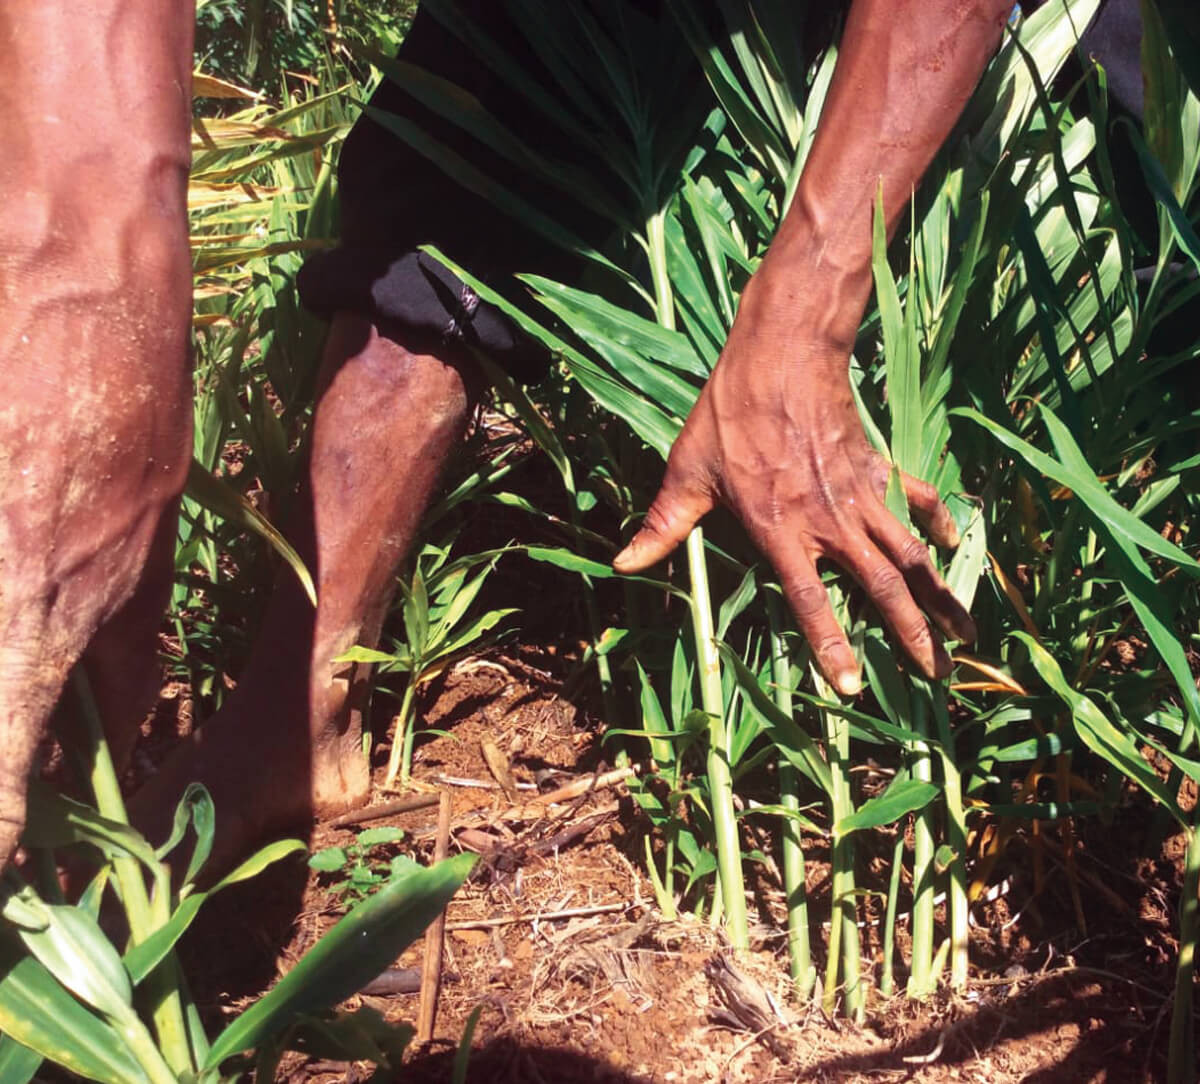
578, 977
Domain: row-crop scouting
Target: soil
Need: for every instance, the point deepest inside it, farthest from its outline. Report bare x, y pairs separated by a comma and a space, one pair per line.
557, 943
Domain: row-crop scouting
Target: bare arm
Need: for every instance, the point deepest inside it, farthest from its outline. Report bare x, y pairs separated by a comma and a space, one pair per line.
775, 433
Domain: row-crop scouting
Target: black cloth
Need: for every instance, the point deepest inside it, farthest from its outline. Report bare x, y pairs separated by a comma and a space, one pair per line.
394, 198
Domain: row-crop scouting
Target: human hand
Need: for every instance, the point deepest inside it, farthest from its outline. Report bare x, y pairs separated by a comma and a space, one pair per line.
775, 435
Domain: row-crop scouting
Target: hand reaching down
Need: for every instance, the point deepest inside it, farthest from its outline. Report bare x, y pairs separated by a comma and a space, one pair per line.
776, 436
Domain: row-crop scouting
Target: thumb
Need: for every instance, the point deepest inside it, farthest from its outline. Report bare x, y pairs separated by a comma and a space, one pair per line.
680, 504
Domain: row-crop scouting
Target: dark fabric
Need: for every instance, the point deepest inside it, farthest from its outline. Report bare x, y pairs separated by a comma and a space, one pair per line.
415, 290
394, 199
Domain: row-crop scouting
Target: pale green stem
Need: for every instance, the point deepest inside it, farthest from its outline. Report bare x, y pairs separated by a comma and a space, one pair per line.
887, 980
920, 980
794, 881
712, 697
958, 908
843, 929
400, 759
603, 669
144, 916
1181, 1058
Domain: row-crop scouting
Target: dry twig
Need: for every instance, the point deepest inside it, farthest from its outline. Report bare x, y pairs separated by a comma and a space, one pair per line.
431, 975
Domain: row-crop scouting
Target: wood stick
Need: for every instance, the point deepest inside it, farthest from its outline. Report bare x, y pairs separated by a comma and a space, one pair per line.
582, 786
431, 973
544, 916
383, 809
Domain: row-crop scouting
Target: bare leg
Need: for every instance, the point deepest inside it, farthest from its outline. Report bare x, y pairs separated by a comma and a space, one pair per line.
289, 741
95, 289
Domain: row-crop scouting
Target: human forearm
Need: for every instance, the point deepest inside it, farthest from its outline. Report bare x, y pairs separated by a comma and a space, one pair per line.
905, 71
775, 433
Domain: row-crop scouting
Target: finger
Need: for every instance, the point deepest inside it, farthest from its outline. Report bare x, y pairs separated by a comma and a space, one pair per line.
814, 614
931, 513
911, 556
886, 586
681, 502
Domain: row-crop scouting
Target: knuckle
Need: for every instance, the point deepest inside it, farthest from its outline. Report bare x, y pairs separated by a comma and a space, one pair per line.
883, 582
831, 648
657, 520
914, 634
808, 600
922, 493
912, 555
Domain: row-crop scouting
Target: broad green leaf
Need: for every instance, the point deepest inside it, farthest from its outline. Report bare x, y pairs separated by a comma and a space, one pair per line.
644, 418
329, 859
373, 837
572, 562
74, 949
196, 808
1156, 180
18, 1064
1078, 477
604, 320
792, 741
654, 721
737, 602
903, 796
39, 1013
370, 937
884, 677
1097, 732
365, 654
966, 566
54, 821
901, 357
145, 956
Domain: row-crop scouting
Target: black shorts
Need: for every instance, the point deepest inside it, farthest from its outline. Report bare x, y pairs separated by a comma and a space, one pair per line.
396, 197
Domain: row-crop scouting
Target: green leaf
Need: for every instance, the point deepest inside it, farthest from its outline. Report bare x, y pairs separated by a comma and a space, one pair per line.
329, 859
145, 956
73, 948
18, 1064
905, 795
38, 1013
1156, 180
1114, 746
219, 497
1078, 477
374, 837
370, 937
599, 320
792, 741
196, 807
54, 821
901, 357
966, 566
363, 1035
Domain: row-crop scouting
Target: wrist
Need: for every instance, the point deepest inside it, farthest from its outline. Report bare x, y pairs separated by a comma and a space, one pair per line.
806, 305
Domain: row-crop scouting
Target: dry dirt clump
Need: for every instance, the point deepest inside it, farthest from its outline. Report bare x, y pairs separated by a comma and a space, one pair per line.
577, 976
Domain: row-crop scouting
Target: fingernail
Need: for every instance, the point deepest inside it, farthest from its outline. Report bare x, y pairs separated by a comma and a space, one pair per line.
848, 683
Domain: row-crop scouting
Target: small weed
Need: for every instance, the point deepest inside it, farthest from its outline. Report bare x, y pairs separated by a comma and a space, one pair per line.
354, 870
